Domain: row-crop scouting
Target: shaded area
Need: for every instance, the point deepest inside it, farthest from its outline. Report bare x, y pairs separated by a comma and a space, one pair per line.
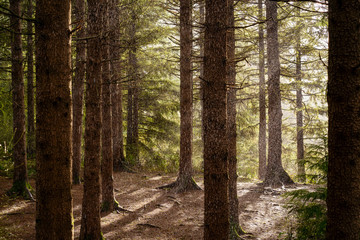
157, 214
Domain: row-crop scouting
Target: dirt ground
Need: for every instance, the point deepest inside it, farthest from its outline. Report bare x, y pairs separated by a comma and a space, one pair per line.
156, 214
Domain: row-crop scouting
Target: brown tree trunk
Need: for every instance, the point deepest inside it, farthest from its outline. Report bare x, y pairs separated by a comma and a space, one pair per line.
299, 106
185, 181
108, 199
201, 67
216, 175
54, 219
132, 148
235, 228
78, 90
344, 121
20, 179
90, 221
186, 92
262, 97
115, 88
30, 83
275, 173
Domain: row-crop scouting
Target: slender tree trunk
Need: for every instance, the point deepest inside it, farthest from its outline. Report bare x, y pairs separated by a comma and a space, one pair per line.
90, 221
54, 219
275, 173
299, 107
78, 90
185, 182
132, 151
30, 83
130, 123
235, 228
262, 97
216, 175
201, 67
20, 179
186, 91
108, 199
115, 88
344, 121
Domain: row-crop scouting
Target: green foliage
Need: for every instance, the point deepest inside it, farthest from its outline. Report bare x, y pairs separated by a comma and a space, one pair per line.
309, 206
317, 161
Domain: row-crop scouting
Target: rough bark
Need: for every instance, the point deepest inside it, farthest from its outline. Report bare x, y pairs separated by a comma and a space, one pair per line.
115, 87
185, 181
344, 121
201, 67
216, 220
54, 219
299, 108
30, 83
90, 221
235, 228
107, 183
262, 98
78, 90
20, 179
132, 148
275, 173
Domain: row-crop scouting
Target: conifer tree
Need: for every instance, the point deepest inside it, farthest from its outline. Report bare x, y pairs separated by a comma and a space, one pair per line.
54, 219
216, 174
20, 178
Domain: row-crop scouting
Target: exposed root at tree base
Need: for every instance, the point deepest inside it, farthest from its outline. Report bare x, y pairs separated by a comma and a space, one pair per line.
277, 178
23, 192
181, 185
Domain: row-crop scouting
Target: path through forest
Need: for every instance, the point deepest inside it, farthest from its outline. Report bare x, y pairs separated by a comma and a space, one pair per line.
156, 214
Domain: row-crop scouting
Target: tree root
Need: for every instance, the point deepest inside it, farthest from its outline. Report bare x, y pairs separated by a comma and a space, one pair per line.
182, 184
277, 178
21, 189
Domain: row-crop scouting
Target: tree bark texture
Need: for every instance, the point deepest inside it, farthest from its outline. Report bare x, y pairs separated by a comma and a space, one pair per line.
78, 89
262, 97
299, 107
235, 228
90, 221
17, 77
30, 82
106, 139
132, 144
54, 219
115, 87
201, 67
344, 121
275, 173
185, 180
216, 175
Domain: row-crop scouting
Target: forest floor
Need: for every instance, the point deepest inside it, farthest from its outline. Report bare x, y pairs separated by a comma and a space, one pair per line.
157, 214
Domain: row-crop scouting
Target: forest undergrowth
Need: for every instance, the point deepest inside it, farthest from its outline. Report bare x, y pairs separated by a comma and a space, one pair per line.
159, 214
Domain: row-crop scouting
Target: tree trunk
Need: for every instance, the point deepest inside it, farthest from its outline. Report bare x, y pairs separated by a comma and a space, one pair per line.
115, 88
201, 70
30, 83
275, 173
132, 148
78, 90
235, 228
262, 97
108, 199
90, 221
216, 175
185, 181
344, 121
299, 107
20, 179
54, 219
